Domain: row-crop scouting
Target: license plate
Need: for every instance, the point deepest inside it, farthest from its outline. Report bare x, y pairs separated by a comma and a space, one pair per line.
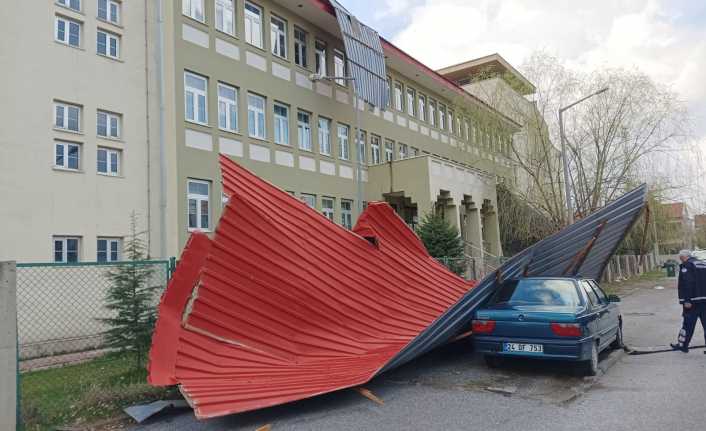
522, 348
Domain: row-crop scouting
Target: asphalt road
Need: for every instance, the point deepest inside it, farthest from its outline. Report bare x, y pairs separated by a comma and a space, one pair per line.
451, 389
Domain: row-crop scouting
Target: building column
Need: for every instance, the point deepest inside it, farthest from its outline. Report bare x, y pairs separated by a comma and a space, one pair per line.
8, 345
492, 231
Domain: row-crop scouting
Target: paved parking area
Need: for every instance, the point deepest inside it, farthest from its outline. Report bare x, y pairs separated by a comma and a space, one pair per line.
452, 388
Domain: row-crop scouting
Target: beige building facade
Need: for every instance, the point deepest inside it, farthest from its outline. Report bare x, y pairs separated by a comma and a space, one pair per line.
197, 78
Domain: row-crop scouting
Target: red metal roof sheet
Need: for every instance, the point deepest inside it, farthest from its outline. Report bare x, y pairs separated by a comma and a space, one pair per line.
282, 304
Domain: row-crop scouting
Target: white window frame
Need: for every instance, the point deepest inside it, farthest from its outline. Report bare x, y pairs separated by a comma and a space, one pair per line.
442, 116
347, 213
109, 243
432, 112
328, 207
324, 136
111, 119
196, 93
64, 123
199, 199
422, 107
304, 130
112, 11
343, 144
411, 94
301, 47
308, 199
226, 10
67, 4
253, 25
110, 38
255, 114
413, 151
375, 149
398, 95
361, 146
65, 248
228, 109
320, 49
67, 31
339, 66
109, 154
452, 121
194, 9
403, 150
65, 155
389, 150
278, 36
281, 126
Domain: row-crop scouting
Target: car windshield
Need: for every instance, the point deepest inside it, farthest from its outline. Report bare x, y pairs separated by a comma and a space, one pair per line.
528, 291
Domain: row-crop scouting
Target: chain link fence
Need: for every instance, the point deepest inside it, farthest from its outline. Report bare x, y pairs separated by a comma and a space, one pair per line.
62, 350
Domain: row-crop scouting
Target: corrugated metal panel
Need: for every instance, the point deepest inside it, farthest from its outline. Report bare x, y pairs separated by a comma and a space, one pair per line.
365, 55
281, 304
557, 255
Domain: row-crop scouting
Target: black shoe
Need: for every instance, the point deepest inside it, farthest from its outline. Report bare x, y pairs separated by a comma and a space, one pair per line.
680, 347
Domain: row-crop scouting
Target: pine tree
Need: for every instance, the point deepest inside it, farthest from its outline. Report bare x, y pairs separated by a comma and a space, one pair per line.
442, 241
130, 299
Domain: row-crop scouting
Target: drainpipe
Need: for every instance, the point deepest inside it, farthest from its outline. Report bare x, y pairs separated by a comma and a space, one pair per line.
148, 135
162, 139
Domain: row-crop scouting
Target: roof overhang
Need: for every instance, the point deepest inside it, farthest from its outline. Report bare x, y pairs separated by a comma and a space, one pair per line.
493, 63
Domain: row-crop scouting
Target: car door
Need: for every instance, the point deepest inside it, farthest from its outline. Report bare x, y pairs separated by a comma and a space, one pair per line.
612, 317
599, 307
594, 305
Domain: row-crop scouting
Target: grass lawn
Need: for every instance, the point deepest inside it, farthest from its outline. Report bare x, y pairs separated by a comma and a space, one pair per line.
86, 392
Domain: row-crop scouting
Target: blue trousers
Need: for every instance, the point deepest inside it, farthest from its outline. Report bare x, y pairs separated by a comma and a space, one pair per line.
696, 312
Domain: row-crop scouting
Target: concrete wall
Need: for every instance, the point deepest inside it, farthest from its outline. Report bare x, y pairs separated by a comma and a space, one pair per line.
8, 347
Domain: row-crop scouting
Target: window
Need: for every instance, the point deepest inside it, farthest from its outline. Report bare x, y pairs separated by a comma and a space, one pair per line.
343, 150
411, 106
198, 204
193, 9
227, 108
320, 58
300, 49
467, 129
304, 130
339, 66
325, 136
362, 138
347, 213
442, 117
108, 124
422, 108
374, 150
413, 151
459, 127
404, 150
67, 31
67, 117
253, 25
67, 155
71, 4
256, 116
545, 292
66, 249
195, 88
327, 206
278, 33
590, 293
225, 16
451, 121
108, 44
108, 249
281, 124
109, 10
108, 161
309, 200
388, 88
389, 150
398, 96
432, 112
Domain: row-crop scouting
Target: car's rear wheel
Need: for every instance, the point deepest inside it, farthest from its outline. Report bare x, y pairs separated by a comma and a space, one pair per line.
492, 361
590, 367
618, 343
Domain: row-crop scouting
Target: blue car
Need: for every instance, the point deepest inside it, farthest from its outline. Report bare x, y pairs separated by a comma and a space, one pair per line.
549, 318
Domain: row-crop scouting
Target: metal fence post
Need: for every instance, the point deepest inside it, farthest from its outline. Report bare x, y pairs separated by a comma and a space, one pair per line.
9, 406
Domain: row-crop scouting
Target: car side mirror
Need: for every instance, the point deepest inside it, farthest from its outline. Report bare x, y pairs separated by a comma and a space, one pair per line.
613, 298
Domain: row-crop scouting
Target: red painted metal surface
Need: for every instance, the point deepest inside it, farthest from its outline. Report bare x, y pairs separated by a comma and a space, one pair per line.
282, 304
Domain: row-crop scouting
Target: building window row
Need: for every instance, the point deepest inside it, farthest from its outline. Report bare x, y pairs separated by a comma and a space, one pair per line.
67, 249
69, 32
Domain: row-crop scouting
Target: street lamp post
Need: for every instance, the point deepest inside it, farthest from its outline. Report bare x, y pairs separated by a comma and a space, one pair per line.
564, 157
358, 162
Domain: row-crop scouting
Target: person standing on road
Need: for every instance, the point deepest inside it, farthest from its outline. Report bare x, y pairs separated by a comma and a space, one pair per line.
692, 296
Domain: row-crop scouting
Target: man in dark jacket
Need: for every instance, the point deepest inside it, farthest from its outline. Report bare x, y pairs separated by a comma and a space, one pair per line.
692, 296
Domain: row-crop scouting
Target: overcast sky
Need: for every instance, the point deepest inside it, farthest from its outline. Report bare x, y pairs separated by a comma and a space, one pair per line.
664, 38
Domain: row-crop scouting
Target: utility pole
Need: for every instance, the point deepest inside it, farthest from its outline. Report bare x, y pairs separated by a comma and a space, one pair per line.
564, 157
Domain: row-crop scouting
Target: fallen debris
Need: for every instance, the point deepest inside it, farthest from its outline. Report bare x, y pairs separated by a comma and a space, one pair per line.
369, 395
143, 412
